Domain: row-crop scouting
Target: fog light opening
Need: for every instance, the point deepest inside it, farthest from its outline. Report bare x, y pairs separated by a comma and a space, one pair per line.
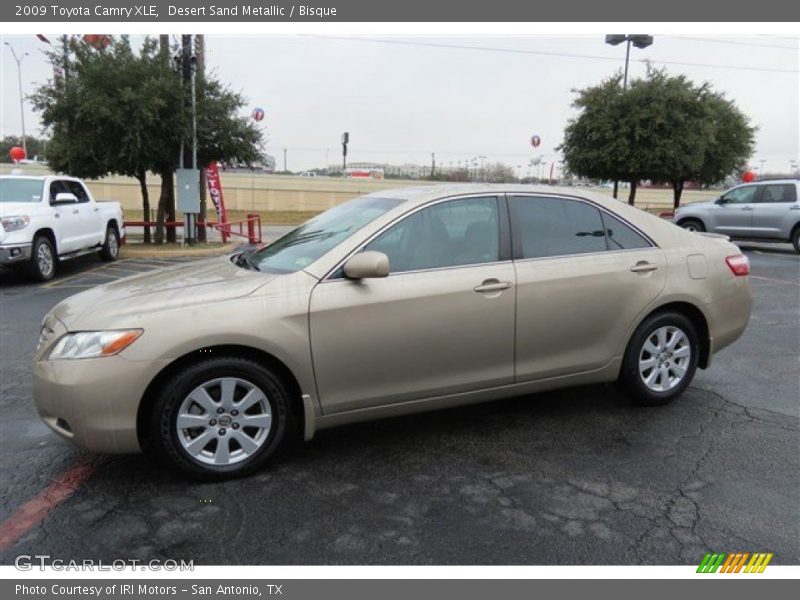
62, 424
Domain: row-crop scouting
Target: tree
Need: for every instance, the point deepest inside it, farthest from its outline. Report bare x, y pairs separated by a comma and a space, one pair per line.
662, 128
119, 111
36, 146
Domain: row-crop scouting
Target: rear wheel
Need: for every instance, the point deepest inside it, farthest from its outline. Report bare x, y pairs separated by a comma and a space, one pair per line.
661, 359
693, 225
110, 249
42, 264
796, 239
221, 418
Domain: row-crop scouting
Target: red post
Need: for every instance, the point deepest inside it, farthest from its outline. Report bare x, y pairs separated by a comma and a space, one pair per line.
251, 228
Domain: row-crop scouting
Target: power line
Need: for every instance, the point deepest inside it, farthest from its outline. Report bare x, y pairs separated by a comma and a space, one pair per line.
735, 43
546, 53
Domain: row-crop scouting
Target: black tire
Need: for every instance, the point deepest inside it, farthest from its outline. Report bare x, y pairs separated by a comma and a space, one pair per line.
164, 439
796, 239
632, 381
43, 262
692, 225
110, 250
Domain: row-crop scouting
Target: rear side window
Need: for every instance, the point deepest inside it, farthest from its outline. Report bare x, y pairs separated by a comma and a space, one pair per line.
76, 187
622, 237
779, 193
555, 227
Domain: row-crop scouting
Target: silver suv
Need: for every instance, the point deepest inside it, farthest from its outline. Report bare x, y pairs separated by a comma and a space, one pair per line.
764, 211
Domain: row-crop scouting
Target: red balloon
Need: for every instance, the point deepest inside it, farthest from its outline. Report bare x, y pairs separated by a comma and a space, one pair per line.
748, 176
17, 154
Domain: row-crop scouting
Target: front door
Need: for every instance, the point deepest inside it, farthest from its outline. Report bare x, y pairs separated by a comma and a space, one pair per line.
734, 215
442, 322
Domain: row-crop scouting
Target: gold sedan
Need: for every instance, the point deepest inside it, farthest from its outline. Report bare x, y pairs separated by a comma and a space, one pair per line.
395, 302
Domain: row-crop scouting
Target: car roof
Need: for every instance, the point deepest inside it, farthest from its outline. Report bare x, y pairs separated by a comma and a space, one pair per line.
422, 194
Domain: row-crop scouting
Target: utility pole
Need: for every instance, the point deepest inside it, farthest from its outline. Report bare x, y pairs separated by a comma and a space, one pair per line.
285, 170
433, 164
345, 141
18, 60
200, 71
188, 152
638, 40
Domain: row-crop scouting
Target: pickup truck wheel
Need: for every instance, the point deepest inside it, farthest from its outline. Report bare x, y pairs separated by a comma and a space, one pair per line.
692, 225
110, 250
42, 265
796, 239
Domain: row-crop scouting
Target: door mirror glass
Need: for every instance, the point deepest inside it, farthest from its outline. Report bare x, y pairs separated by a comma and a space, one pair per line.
65, 198
367, 265
721, 200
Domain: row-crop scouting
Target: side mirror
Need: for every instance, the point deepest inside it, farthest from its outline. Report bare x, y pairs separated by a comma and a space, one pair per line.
366, 265
65, 198
721, 200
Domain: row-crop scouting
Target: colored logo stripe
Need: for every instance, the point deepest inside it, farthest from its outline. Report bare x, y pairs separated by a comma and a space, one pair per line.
734, 563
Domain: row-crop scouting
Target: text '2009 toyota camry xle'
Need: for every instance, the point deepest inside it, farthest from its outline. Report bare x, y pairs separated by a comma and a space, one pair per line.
391, 303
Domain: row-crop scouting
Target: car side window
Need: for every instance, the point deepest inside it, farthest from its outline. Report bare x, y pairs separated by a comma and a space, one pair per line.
779, 193
58, 187
447, 234
622, 237
76, 187
555, 227
741, 195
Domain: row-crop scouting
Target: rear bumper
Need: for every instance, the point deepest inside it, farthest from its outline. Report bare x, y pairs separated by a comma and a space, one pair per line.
93, 402
14, 253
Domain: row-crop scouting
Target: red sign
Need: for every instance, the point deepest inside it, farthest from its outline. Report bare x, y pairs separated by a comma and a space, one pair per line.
215, 191
535, 141
17, 154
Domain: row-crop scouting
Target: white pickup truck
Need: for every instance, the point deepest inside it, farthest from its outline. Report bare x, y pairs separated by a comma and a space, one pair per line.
48, 219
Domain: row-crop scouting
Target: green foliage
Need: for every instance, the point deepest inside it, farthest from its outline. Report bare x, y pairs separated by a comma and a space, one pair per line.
662, 128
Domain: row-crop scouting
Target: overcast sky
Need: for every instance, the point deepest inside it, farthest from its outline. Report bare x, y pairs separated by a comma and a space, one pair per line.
402, 100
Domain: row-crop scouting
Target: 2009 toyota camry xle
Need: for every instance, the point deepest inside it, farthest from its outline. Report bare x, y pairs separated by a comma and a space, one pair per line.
391, 303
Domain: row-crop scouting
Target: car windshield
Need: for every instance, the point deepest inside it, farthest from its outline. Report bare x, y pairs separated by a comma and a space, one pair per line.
20, 190
302, 246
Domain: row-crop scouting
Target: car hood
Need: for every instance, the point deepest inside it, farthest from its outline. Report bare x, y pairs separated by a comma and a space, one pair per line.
173, 287
696, 205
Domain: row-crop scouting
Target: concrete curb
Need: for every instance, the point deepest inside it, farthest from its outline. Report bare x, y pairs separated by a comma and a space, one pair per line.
174, 251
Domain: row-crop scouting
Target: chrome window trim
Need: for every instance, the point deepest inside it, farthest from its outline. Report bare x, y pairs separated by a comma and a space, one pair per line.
497, 195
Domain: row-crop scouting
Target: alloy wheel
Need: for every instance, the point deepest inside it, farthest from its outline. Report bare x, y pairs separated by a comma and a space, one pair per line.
224, 421
665, 358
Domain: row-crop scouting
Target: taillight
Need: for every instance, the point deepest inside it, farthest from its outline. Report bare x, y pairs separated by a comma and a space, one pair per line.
739, 265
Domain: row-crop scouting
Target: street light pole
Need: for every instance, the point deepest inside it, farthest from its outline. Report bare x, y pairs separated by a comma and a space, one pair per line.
638, 40
18, 60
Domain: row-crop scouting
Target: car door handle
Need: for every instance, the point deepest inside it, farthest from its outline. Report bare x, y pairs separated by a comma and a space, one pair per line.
492, 285
75, 211
96, 209
747, 208
795, 207
643, 267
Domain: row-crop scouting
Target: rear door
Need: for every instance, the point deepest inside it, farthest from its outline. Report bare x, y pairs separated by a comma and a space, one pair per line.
734, 216
583, 277
90, 226
776, 211
442, 322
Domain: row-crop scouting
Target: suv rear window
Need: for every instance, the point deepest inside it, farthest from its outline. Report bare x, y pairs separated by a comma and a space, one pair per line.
785, 192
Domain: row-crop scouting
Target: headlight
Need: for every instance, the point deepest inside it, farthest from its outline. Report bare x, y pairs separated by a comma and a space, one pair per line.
15, 223
91, 344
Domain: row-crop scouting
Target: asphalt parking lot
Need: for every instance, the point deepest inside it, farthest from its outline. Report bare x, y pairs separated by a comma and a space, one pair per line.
571, 477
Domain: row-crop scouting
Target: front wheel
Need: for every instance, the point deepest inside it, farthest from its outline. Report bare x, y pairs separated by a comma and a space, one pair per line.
661, 359
110, 249
42, 264
221, 418
692, 225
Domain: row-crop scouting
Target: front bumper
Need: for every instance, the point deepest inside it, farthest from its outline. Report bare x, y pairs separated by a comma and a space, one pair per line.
14, 253
93, 402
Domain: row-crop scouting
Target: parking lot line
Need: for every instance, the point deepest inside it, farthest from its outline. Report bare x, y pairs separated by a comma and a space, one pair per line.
775, 280
61, 280
37, 508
